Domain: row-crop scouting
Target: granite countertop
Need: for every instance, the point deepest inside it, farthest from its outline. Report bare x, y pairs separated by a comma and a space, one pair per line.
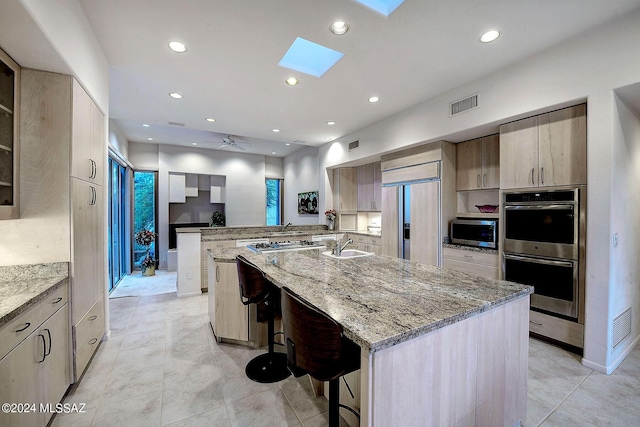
381, 301
470, 248
23, 286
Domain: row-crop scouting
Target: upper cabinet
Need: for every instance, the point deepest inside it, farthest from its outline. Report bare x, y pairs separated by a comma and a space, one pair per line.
545, 151
369, 179
346, 198
478, 164
87, 152
9, 137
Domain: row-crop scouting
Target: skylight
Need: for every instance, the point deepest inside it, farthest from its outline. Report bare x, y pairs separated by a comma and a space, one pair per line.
383, 7
309, 57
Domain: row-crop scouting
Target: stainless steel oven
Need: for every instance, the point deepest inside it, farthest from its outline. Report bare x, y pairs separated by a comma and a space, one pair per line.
543, 246
555, 282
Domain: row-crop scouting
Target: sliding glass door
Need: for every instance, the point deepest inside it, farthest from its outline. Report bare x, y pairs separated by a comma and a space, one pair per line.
117, 222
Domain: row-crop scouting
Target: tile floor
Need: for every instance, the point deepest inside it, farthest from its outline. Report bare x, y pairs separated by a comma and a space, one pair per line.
162, 367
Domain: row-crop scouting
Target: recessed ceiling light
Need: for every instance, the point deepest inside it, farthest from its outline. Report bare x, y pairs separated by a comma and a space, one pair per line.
194, 143
374, 99
145, 125
287, 144
150, 139
339, 28
275, 130
292, 81
489, 36
331, 123
273, 152
210, 120
328, 138
175, 95
177, 47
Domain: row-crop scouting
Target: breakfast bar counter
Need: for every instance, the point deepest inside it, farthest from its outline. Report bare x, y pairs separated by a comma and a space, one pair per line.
439, 347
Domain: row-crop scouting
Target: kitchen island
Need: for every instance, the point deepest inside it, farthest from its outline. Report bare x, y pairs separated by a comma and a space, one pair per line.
438, 347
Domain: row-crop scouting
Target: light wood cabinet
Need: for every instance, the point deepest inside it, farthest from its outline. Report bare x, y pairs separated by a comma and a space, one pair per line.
37, 371
474, 262
229, 317
204, 256
425, 239
478, 164
9, 137
367, 243
390, 221
88, 137
60, 119
346, 198
369, 179
544, 151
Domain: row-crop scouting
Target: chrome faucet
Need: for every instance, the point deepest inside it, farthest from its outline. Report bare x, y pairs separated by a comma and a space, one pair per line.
284, 227
340, 248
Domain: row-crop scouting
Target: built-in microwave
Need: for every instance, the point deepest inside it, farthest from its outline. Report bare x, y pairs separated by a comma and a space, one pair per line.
475, 232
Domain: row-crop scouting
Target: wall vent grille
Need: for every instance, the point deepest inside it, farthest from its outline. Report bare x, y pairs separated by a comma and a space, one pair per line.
176, 124
621, 327
463, 105
353, 145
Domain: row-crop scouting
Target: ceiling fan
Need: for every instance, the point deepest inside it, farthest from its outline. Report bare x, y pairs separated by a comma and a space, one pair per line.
227, 141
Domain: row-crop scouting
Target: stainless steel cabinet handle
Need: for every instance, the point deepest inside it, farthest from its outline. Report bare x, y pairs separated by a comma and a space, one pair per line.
468, 256
93, 196
484, 180
478, 181
217, 273
44, 348
93, 341
542, 175
535, 323
46, 353
532, 170
57, 300
26, 325
92, 318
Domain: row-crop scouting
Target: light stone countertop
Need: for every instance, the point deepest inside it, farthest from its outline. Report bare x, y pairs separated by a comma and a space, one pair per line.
470, 248
380, 301
23, 286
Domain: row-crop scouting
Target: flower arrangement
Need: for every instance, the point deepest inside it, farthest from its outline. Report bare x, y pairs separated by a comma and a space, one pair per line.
145, 237
147, 262
331, 214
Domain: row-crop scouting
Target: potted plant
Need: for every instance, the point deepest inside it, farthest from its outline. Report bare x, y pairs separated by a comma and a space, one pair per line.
218, 219
148, 263
331, 216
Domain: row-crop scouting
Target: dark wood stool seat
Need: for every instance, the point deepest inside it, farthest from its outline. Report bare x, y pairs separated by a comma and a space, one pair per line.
256, 289
317, 346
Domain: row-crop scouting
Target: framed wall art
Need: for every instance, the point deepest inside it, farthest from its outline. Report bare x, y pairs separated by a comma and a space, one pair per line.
308, 203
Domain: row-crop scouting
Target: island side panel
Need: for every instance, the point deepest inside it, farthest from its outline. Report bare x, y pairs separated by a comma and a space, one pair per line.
470, 373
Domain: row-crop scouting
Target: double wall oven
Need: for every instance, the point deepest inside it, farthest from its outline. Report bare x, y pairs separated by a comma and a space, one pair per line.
543, 246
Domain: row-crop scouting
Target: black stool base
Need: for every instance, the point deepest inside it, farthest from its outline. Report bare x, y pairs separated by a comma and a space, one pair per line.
268, 368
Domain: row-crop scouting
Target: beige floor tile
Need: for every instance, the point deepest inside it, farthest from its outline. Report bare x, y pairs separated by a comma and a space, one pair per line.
80, 418
141, 411
213, 418
152, 337
125, 385
184, 399
269, 408
300, 396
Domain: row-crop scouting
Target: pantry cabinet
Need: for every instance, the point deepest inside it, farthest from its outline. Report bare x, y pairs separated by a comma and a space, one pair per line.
369, 179
87, 139
478, 164
9, 137
545, 151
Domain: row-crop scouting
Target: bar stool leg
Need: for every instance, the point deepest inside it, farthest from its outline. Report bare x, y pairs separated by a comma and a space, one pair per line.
334, 402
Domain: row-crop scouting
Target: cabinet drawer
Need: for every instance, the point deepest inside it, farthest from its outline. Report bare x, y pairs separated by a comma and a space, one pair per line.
559, 329
471, 256
19, 328
471, 268
94, 318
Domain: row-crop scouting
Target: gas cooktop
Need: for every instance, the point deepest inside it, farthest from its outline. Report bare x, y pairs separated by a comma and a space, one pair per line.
285, 246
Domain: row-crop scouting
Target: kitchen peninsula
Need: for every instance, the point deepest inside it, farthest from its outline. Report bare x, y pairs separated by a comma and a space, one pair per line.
438, 347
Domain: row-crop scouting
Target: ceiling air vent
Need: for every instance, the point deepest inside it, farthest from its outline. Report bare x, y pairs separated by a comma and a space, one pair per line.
621, 327
463, 105
353, 145
176, 124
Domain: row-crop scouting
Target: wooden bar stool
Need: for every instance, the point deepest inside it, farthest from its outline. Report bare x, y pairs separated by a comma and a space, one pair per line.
256, 289
317, 346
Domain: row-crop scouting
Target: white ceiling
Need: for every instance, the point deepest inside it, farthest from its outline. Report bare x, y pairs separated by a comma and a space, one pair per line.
230, 70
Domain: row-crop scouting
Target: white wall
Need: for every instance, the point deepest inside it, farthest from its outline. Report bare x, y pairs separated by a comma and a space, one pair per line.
625, 200
301, 174
143, 156
117, 140
274, 167
588, 67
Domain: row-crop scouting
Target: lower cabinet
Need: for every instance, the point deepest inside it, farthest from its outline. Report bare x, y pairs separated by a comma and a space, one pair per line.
205, 246
37, 372
481, 263
229, 317
367, 243
87, 334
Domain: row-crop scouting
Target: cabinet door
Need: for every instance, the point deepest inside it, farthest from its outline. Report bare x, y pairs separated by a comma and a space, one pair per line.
365, 187
348, 190
98, 144
55, 368
469, 162
87, 261
21, 382
491, 161
377, 186
231, 316
81, 136
563, 147
390, 222
425, 225
9, 137
519, 154
177, 188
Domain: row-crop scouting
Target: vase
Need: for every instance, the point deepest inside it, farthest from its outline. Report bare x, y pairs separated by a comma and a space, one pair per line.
330, 224
148, 271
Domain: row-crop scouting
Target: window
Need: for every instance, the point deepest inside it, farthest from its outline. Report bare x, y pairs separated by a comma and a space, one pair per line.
117, 223
144, 212
274, 201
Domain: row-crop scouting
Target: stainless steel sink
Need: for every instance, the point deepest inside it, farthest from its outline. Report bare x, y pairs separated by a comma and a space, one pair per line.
348, 253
